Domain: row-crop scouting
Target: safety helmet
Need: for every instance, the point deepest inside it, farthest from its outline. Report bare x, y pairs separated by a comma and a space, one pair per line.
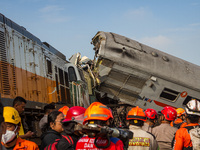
151, 113
11, 115
169, 113
64, 110
97, 111
136, 113
180, 112
76, 114
193, 107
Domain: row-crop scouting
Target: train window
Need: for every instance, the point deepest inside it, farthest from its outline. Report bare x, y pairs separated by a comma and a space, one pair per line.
169, 94
72, 74
49, 66
81, 74
66, 79
57, 87
61, 76
188, 98
56, 69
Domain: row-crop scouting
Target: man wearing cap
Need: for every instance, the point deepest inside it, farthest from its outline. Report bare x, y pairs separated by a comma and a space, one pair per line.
47, 109
10, 139
19, 104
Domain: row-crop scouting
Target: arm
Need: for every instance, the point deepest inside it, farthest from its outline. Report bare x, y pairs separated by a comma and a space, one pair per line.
179, 141
27, 135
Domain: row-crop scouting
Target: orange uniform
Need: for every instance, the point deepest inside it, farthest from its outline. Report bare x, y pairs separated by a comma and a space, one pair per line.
182, 138
22, 144
178, 123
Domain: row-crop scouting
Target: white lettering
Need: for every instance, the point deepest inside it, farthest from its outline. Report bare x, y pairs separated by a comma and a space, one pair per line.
88, 145
84, 140
91, 141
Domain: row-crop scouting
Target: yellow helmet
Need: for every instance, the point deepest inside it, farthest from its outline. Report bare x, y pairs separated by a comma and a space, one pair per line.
180, 111
11, 115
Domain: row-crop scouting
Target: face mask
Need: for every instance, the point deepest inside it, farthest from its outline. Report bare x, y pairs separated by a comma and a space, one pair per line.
9, 136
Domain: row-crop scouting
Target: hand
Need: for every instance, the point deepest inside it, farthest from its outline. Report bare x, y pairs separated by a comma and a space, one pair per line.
29, 134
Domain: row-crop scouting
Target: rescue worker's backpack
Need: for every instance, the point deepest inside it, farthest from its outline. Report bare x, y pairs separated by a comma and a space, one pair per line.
194, 132
53, 145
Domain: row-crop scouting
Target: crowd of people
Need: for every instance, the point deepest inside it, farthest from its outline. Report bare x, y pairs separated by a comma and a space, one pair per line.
78, 128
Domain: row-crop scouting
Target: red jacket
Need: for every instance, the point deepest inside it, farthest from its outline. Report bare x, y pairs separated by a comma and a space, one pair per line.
182, 138
86, 143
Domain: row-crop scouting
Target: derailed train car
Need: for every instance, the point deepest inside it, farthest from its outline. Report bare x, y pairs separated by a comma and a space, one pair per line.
129, 72
36, 71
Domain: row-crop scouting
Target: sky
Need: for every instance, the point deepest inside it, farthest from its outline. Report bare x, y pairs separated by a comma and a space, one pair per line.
172, 26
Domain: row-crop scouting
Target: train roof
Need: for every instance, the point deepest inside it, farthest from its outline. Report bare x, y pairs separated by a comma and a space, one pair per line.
27, 34
131, 53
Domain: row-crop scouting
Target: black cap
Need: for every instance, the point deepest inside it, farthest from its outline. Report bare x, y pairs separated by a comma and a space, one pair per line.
50, 106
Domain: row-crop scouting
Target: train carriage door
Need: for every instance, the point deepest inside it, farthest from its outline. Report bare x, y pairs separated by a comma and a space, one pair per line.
63, 86
76, 85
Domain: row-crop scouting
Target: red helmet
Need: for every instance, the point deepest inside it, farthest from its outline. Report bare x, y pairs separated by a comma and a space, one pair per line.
76, 114
169, 113
151, 113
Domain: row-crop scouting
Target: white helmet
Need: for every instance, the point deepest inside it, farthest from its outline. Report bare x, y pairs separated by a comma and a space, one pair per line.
193, 107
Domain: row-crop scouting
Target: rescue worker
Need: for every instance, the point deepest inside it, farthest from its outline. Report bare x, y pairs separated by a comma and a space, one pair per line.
151, 119
180, 120
2, 126
70, 137
142, 140
19, 104
164, 133
189, 137
10, 139
47, 109
98, 114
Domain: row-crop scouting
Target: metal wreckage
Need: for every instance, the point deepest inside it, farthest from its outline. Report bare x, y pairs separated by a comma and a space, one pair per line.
126, 73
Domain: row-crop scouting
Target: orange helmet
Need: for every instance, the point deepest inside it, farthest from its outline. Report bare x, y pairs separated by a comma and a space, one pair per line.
137, 114
180, 112
64, 110
97, 111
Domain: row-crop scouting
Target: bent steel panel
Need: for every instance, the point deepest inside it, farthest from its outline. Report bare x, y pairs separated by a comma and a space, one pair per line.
124, 51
